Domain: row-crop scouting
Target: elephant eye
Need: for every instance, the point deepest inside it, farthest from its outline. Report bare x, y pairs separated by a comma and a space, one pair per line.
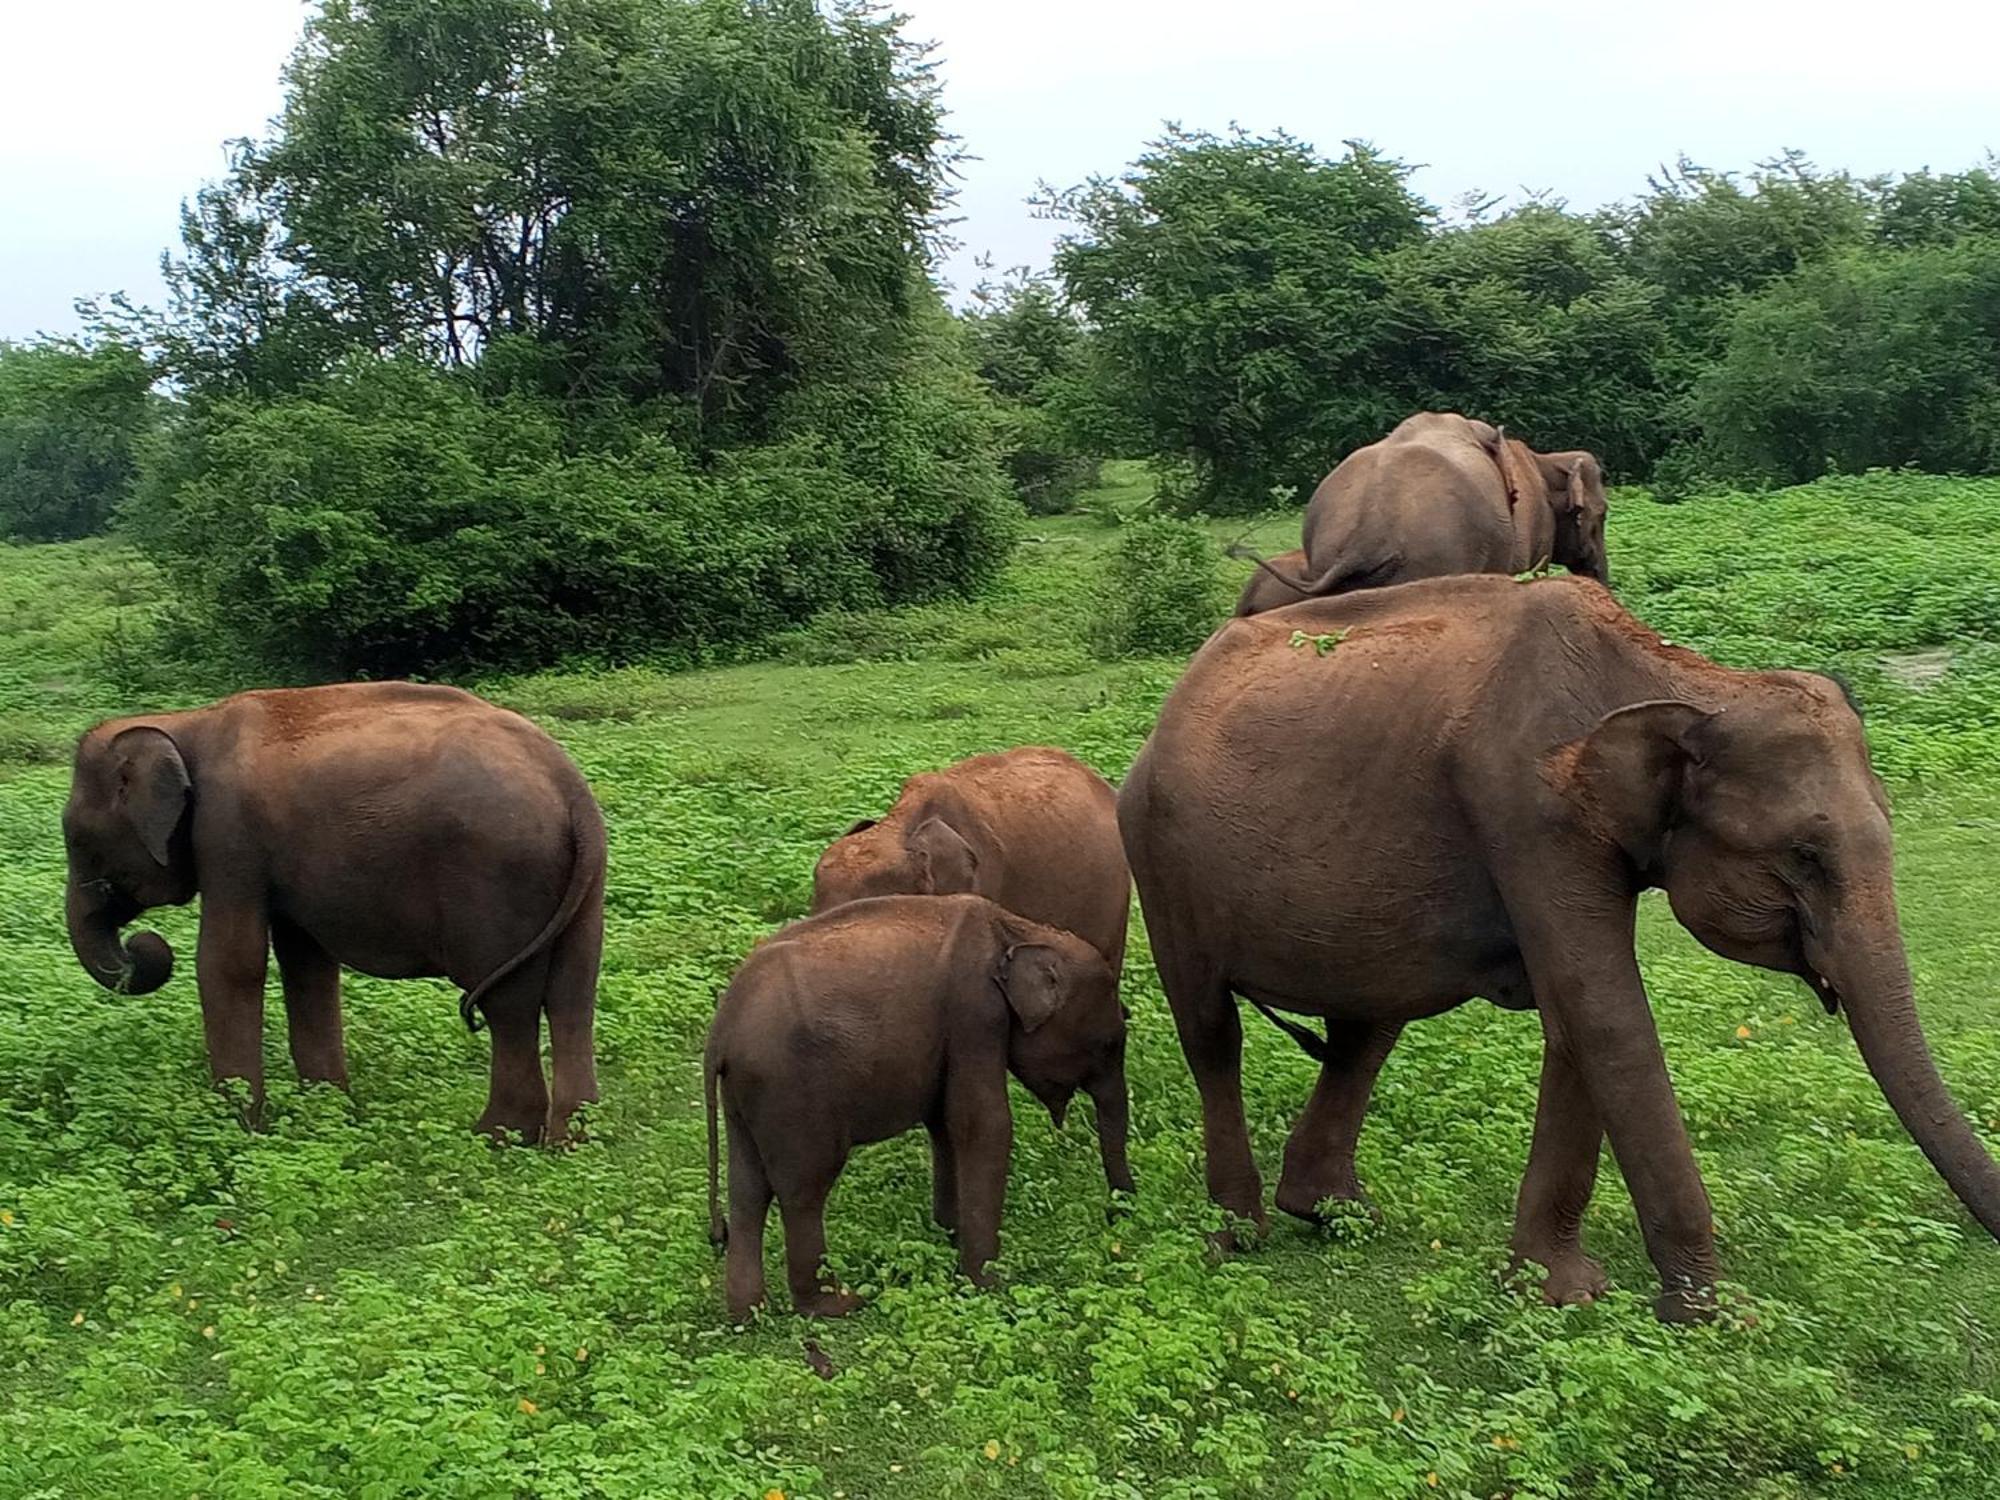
1809, 856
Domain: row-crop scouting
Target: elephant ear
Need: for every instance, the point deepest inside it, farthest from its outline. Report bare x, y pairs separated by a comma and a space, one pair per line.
950, 863
1503, 460
153, 787
1630, 771
1030, 976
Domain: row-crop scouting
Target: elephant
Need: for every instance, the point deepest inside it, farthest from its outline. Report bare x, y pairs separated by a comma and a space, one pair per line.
1462, 796
1445, 494
1034, 829
880, 1015
1274, 583
400, 829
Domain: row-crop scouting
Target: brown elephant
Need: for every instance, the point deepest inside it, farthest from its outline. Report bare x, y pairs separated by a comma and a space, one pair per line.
1034, 829
402, 830
1445, 494
885, 1014
1274, 583
1463, 796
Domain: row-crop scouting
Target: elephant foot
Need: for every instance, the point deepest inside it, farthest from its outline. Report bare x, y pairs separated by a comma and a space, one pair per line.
1244, 1231
502, 1126
1687, 1303
1573, 1279
1310, 1202
831, 1303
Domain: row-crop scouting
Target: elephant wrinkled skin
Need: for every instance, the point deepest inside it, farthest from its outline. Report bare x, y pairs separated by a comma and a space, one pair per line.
1442, 494
1464, 797
400, 829
884, 1014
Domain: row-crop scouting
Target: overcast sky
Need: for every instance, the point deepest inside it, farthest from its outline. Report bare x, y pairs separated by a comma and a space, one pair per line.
112, 111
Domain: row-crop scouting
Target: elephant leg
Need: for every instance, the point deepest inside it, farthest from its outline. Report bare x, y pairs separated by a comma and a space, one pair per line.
1562, 1170
311, 978
944, 1178
517, 1097
571, 1003
232, 957
1211, 1036
981, 1126
749, 1207
1319, 1157
1585, 973
802, 1186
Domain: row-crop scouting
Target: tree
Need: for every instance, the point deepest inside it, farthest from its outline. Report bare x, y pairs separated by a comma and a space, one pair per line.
1873, 359
1235, 285
72, 421
1031, 351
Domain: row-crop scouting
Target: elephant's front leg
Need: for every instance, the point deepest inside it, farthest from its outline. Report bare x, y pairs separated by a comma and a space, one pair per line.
311, 978
981, 1126
1319, 1157
231, 958
1562, 1170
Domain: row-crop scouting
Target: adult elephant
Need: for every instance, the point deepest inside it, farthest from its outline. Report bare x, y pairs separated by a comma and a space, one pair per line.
1443, 494
402, 830
1459, 790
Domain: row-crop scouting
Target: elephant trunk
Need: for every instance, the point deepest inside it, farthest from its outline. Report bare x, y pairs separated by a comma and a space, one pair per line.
94, 913
1108, 1094
1875, 991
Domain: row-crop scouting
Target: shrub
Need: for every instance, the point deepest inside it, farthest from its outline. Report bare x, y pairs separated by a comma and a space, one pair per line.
1161, 592
72, 421
391, 521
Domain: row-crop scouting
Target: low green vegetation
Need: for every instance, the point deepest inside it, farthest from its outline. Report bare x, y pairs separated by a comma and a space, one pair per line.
365, 1300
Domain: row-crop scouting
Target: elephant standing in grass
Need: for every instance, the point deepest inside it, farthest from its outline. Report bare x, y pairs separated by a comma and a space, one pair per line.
400, 829
1463, 797
1442, 494
1033, 829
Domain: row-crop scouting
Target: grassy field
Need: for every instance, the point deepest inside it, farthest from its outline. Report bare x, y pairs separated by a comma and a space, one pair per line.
365, 1300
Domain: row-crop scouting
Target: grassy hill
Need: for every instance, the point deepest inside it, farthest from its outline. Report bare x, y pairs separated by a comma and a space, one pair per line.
365, 1300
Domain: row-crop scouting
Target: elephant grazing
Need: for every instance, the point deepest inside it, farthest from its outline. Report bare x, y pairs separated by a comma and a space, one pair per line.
1442, 494
400, 829
1034, 829
1463, 796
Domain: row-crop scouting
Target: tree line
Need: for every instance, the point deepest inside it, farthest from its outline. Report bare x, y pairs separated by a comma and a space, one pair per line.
535, 330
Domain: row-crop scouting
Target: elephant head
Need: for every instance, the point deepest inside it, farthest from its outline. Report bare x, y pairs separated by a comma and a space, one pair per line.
1769, 831
1067, 1030
1575, 486
126, 831
925, 857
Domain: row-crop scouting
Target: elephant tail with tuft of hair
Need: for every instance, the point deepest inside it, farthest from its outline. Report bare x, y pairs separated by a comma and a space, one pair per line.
587, 855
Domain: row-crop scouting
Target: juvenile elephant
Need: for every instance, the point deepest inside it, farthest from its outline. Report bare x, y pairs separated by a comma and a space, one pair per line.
1034, 829
1274, 582
1464, 797
1443, 494
402, 830
881, 1015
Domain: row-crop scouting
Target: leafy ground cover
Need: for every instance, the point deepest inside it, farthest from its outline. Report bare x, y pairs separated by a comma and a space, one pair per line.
364, 1300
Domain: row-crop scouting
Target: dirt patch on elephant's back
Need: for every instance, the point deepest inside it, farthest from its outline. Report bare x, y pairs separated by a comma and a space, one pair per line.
1917, 669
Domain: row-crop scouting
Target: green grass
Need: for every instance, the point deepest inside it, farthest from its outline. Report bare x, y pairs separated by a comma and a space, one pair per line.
363, 1300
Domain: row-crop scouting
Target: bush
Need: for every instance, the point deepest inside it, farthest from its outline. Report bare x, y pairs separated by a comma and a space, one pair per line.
1029, 349
72, 421
391, 521
1161, 592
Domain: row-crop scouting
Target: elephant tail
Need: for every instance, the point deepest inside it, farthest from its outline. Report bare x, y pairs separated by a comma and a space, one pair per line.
1310, 1043
1338, 579
586, 870
718, 1232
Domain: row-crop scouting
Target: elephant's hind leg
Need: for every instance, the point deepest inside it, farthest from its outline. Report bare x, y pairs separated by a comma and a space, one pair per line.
311, 979
1562, 1170
570, 1001
517, 1098
1319, 1157
749, 1207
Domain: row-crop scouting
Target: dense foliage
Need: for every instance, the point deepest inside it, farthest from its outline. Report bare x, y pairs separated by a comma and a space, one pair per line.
366, 1300
73, 423
1031, 352
1257, 310
663, 265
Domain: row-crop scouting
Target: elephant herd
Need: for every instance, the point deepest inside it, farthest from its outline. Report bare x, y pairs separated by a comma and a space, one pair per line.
1413, 771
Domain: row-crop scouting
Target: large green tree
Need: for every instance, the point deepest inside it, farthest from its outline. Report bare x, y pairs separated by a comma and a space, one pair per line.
73, 419
1236, 286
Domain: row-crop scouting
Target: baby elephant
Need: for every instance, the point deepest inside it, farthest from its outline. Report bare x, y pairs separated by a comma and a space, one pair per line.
887, 1013
1034, 829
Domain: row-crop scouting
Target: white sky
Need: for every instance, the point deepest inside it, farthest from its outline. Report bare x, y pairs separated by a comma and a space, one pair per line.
112, 111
